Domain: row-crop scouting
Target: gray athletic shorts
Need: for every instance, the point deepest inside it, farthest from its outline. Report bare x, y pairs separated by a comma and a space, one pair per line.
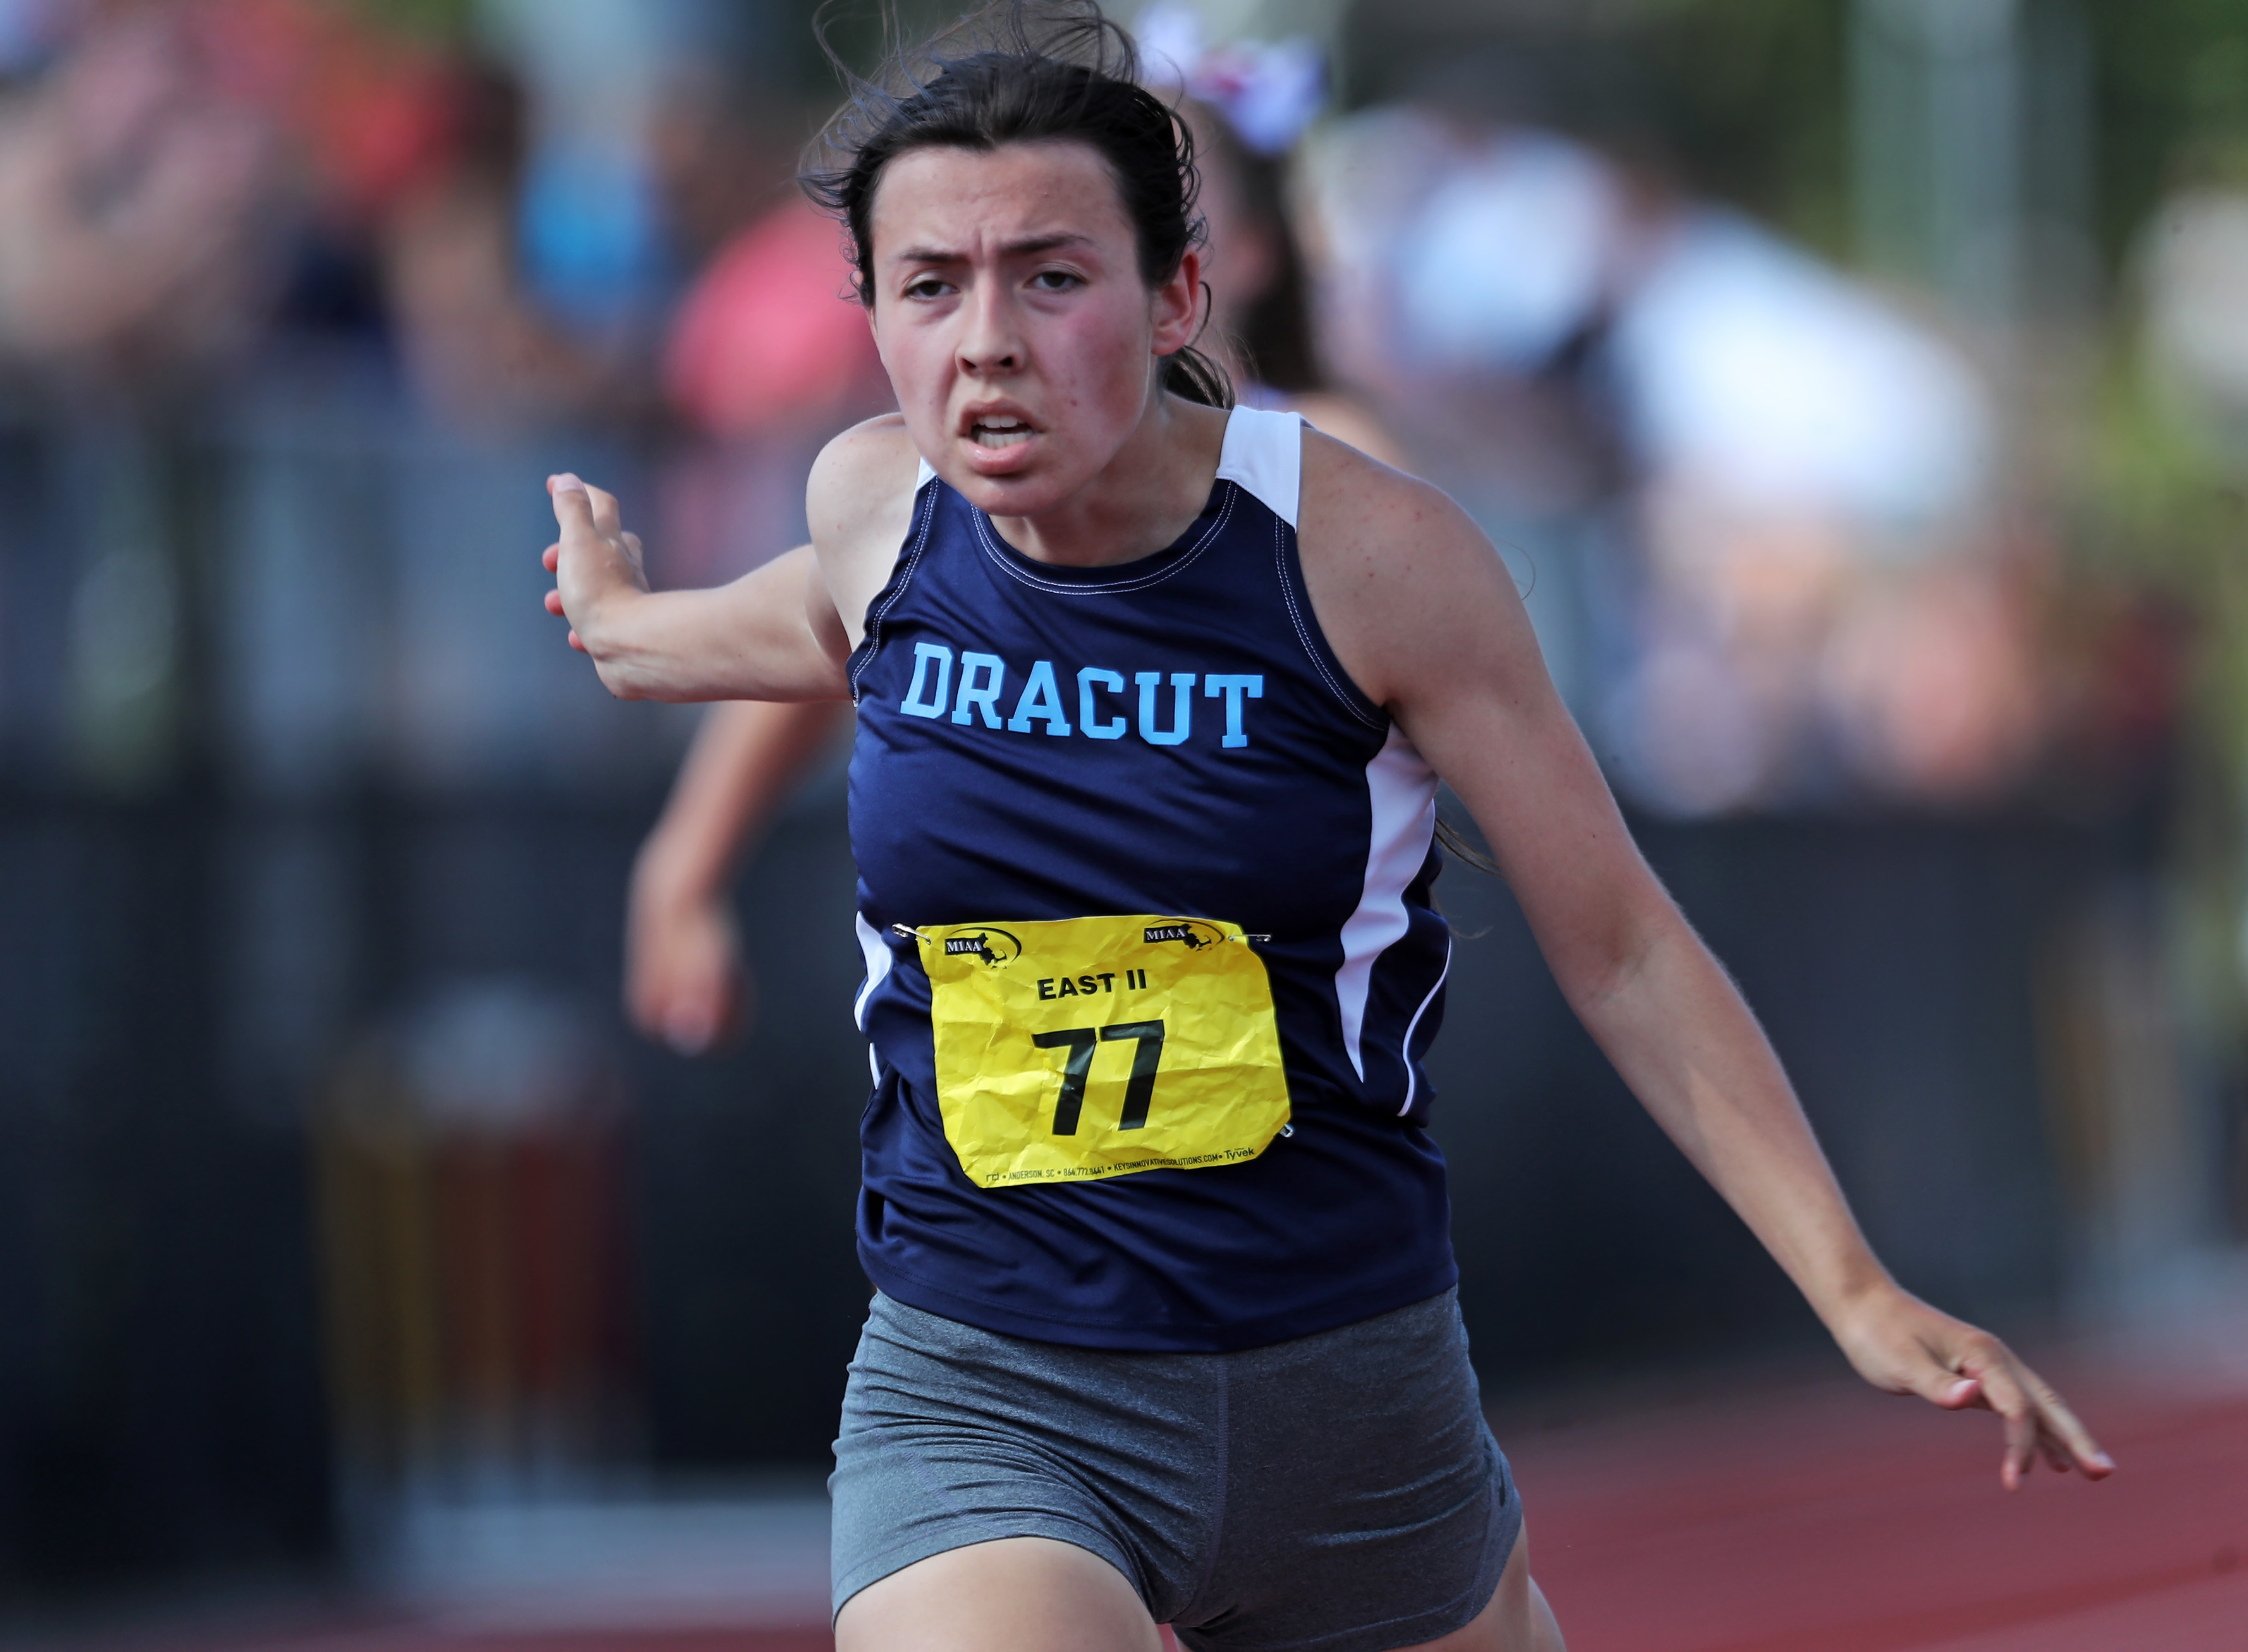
1340, 1491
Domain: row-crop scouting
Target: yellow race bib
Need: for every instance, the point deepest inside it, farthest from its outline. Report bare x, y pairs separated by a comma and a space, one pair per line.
1093, 1046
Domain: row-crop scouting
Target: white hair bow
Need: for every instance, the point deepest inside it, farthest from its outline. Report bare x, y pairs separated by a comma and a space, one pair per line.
1269, 91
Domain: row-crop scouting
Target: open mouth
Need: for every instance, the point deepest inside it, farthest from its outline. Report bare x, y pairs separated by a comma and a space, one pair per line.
999, 431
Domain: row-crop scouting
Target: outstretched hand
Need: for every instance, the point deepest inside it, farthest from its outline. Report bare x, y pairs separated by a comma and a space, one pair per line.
1902, 1346
594, 560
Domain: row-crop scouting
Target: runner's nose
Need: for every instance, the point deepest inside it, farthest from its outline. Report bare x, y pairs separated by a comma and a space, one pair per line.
989, 341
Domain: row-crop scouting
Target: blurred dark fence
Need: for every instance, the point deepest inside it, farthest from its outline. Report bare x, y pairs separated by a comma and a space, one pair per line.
159, 1387
161, 1395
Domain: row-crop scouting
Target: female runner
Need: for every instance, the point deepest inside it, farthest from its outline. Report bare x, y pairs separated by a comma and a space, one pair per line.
1153, 700
685, 979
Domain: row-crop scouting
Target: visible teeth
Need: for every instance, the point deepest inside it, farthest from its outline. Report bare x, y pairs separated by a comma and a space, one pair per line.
1001, 433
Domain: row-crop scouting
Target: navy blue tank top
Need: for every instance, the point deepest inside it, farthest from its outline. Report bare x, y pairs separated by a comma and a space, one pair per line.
1170, 735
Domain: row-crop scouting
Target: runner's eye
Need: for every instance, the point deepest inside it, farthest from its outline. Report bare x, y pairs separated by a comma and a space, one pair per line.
1056, 280
928, 287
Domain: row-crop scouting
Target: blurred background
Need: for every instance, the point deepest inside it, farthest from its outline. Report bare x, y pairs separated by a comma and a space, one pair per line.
1858, 388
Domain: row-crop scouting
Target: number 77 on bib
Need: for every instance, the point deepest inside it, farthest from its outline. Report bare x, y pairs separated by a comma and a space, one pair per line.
1085, 1048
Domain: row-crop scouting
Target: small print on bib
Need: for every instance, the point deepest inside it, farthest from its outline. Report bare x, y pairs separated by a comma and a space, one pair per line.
1094, 1047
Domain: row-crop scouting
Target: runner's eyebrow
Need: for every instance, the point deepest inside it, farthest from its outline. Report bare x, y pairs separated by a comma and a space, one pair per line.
1029, 247
1036, 244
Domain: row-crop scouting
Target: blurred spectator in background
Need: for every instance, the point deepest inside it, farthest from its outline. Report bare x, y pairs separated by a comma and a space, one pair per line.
589, 218
478, 346
175, 177
766, 358
1798, 594
1829, 610
530, 277
178, 178
134, 174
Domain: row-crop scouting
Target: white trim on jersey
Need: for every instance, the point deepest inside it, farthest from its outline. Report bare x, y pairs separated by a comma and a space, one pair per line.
1412, 1072
879, 959
1263, 455
1401, 790
922, 476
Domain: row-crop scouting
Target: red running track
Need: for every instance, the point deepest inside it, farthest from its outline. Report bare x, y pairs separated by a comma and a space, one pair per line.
1823, 1517
1836, 1519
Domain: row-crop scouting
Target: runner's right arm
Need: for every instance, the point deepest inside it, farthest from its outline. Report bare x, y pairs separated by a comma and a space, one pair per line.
779, 632
772, 634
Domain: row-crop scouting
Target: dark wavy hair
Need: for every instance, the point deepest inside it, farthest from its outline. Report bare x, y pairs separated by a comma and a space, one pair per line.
1021, 72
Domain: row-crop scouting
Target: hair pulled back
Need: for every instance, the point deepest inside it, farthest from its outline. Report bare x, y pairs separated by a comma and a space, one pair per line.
1022, 71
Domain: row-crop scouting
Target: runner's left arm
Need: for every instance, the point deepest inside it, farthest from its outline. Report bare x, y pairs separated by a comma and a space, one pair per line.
1423, 614
685, 979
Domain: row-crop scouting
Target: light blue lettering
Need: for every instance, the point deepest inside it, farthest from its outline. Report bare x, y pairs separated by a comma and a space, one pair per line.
1233, 688
1042, 699
983, 696
1114, 682
1182, 706
914, 704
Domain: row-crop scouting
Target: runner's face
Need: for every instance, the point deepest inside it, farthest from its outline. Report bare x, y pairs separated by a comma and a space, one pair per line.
1010, 314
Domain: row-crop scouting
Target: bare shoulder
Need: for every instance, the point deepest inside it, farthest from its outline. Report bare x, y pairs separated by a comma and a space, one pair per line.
863, 478
1400, 577
1363, 524
859, 501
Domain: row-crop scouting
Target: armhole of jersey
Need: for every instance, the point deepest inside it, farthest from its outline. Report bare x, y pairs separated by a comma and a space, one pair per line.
901, 573
1263, 456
